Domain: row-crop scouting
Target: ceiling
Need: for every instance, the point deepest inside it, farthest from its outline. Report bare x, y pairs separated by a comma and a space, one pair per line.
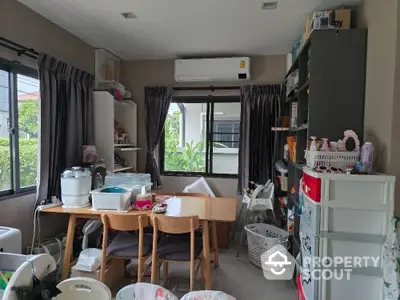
183, 28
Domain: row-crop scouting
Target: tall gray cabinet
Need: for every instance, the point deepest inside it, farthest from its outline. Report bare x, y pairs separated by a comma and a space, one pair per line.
329, 96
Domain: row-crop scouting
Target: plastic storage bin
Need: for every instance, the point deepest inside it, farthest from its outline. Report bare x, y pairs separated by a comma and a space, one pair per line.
111, 198
128, 179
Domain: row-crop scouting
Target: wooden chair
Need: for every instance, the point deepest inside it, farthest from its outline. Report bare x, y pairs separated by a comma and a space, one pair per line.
126, 245
214, 239
175, 247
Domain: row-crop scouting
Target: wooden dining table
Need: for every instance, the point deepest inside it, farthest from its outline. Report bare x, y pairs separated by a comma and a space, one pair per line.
207, 209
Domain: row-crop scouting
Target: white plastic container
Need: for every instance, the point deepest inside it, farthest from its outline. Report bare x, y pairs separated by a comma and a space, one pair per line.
89, 260
111, 201
10, 240
76, 184
127, 179
341, 160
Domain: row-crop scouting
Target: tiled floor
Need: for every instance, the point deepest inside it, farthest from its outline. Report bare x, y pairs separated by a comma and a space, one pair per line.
238, 278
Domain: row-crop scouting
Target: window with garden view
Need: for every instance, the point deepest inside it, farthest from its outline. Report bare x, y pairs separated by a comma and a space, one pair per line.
19, 128
202, 137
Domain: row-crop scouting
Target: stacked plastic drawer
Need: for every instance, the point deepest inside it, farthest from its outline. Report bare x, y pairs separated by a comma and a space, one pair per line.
344, 216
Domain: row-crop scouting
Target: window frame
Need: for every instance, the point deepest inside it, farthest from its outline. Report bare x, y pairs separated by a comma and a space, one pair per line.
209, 101
14, 68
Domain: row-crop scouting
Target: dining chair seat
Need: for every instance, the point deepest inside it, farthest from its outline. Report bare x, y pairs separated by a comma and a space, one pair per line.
125, 244
177, 247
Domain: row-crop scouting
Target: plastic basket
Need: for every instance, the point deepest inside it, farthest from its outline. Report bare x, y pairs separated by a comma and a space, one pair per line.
341, 160
262, 237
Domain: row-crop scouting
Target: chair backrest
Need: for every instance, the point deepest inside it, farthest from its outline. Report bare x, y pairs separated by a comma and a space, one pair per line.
183, 194
82, 288
175, 225
144, 291
207, 295
124, 222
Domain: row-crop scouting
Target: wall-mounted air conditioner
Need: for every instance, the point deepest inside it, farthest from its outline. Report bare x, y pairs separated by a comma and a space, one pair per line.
212, 69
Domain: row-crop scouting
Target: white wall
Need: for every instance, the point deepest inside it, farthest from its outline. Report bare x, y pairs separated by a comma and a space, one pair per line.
22, 25
382, 93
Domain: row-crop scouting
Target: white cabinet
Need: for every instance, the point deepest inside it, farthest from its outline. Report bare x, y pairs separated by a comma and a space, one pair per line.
106, 112
345, 216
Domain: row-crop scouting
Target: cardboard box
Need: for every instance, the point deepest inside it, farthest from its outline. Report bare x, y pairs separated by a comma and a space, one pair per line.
342, 19
331, 19
115, 272
328, 19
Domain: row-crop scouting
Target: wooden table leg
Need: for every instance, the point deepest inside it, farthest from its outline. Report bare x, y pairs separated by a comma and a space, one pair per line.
215, 243
206, 253
68, 247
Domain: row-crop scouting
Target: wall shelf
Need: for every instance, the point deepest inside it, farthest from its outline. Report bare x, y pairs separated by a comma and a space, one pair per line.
298, 166
125, 103
124, 145
304, 86
280, 129
106, 112
123, 169
299, 128
295, 64
122, 149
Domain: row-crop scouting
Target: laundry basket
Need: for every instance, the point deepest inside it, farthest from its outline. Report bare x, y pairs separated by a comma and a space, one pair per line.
262, 237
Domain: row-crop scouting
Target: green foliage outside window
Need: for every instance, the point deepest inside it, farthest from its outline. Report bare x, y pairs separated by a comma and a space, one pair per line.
28, 121
28, 117
28, 149
191, 158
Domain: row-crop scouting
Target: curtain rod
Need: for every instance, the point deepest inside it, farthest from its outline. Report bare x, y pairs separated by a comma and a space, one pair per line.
206, 88
19, 49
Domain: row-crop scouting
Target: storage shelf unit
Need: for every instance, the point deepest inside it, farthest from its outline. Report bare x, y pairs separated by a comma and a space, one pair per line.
330, 97
106, 110
280, 129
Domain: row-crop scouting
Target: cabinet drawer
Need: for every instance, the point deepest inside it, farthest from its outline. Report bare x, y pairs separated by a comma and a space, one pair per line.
351, 246
309, 243
309, 285
358, 287
311, 216
355, 221
312, 187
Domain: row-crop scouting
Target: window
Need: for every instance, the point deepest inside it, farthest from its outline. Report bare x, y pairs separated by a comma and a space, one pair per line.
201, 137
19, 128
226, 134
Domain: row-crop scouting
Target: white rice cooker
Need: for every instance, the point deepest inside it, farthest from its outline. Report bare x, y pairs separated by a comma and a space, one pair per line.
76, 184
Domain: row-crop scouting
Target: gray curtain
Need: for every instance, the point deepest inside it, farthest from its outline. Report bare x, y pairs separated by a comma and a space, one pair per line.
157, 100
66, 120
256, 148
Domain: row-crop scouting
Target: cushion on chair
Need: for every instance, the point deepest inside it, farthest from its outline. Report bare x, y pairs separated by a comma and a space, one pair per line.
144, 291
177, 247
207, 295
125, 244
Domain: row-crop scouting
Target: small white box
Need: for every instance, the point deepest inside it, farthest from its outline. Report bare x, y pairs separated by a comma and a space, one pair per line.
10, 240
109, 200
114, 273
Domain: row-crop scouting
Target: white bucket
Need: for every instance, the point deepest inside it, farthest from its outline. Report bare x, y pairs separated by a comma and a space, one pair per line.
75, 191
